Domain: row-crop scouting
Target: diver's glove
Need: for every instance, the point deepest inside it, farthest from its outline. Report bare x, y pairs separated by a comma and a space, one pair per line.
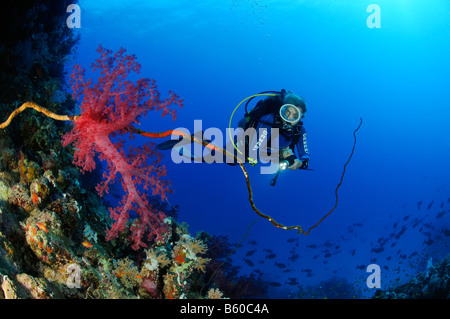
296, 164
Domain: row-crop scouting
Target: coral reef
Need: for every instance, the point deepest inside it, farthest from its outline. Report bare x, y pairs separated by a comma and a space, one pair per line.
53, 245
433, 283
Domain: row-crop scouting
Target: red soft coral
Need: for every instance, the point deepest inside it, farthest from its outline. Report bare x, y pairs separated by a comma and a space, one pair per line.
108, 109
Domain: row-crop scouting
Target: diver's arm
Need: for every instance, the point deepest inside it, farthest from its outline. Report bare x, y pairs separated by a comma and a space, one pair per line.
302, 148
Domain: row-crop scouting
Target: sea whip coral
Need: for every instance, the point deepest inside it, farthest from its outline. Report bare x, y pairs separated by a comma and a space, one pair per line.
109, 108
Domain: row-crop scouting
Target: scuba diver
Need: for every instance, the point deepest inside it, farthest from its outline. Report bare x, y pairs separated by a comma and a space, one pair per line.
283, 110
280, 110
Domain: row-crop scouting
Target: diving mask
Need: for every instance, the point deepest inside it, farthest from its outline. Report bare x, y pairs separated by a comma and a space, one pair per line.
290, 114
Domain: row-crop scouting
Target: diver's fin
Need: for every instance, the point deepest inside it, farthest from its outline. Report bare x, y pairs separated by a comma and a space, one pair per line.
179, 145
167, 145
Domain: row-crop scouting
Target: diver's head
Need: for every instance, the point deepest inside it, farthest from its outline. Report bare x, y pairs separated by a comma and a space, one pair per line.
293, 109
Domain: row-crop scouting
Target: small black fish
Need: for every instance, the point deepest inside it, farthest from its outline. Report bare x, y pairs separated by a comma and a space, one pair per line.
275, 284
428, 242
252, 242
353, 252
280, 265
327, 255
294, 257
291, 240
419, 203
271, 256
307, 270
402, 231
430, 205
311, 246
249, 262
251, 252
406, 217
441, 214
377, 250
416, 222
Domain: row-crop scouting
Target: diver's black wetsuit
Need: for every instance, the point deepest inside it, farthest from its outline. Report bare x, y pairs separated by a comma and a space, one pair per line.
266, 114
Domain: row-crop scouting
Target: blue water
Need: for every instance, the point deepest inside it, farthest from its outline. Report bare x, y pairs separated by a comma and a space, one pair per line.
214, 54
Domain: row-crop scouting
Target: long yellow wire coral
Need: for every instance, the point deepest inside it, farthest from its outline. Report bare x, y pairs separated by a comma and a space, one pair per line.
38, 108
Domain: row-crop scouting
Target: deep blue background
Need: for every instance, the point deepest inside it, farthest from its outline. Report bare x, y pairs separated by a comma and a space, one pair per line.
216, 53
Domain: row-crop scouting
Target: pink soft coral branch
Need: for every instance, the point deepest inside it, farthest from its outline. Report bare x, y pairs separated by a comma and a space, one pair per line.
109, 107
